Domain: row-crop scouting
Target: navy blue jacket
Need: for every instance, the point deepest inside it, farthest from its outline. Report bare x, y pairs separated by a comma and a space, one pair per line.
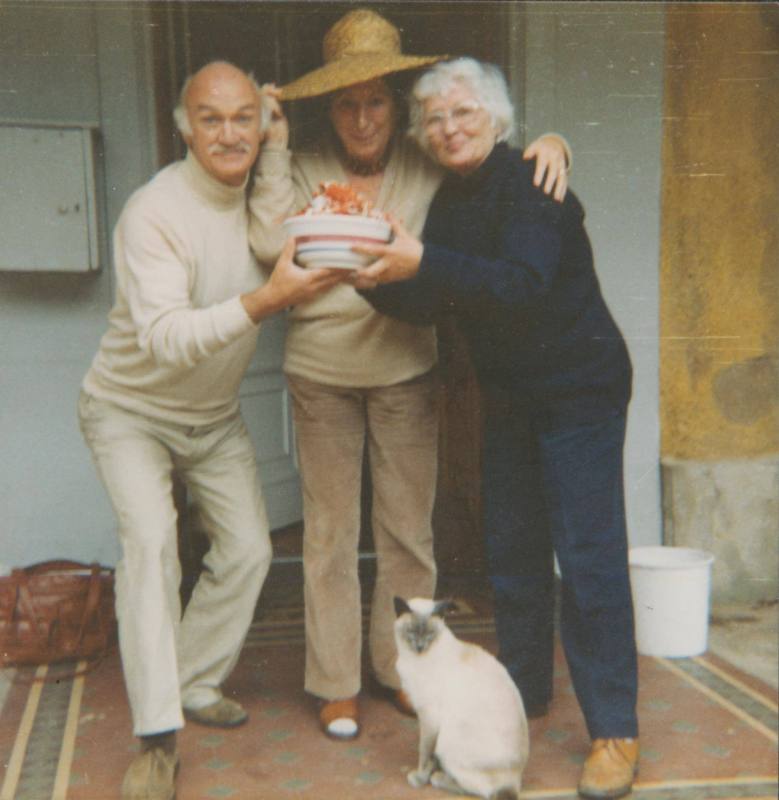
516, 269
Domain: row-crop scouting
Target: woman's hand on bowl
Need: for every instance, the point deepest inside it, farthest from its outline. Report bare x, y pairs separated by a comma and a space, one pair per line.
551, 154
396, 261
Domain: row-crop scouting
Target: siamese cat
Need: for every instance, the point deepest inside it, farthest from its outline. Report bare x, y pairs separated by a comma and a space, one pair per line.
473, 734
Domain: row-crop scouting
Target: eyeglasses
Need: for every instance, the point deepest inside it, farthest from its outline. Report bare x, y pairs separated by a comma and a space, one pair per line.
463, 116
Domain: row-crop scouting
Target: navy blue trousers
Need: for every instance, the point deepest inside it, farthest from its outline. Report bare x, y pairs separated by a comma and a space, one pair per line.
561, 493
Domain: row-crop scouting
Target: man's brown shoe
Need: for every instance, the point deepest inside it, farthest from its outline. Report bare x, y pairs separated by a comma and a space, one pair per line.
609, 769
224, 713
151, 776
340, 719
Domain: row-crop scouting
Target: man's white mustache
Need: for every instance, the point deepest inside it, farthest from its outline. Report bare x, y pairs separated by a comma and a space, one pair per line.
220, 150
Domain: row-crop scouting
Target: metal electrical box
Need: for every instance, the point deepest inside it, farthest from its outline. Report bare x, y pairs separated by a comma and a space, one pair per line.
48, 208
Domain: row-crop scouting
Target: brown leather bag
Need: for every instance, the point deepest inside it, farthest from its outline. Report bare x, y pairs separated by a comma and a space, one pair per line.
56, 611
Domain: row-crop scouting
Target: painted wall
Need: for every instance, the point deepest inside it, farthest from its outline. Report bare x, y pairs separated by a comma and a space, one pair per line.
594, 72
720, 269
720, 287
64, 63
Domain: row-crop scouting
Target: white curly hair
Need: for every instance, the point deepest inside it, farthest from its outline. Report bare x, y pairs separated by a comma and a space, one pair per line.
487, 83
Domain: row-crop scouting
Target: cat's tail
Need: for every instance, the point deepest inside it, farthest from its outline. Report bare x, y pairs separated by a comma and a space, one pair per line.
506, 793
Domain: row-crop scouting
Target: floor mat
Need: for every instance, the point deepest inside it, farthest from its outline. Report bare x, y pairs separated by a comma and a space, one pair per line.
707, 731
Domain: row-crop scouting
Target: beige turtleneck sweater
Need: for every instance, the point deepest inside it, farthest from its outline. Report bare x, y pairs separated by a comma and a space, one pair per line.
179, 340
338, 338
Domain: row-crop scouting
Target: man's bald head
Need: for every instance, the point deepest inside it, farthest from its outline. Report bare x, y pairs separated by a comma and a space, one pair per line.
218, 71
220, 116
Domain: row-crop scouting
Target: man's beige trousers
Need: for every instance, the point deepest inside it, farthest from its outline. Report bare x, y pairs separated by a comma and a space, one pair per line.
170, 662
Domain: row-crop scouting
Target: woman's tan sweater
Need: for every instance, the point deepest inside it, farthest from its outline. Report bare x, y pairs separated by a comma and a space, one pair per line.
339, 339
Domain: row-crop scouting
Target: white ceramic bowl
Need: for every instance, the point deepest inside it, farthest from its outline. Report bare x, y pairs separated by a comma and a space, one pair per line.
325, 240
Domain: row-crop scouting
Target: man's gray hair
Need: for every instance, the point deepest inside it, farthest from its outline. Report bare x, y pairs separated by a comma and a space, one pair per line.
181, 116
486, 82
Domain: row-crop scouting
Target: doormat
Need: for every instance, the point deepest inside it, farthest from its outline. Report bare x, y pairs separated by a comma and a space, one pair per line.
283, 625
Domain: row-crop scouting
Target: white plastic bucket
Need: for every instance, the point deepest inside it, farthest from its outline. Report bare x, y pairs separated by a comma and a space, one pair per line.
671, 588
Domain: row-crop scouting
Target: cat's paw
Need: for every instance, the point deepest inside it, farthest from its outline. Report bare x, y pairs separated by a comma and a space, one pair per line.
418, 778
442, 780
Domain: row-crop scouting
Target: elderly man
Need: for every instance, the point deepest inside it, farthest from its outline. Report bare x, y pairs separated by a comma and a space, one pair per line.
162, 396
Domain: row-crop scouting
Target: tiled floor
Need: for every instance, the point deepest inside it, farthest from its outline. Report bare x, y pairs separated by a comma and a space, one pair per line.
707, 731
747, 636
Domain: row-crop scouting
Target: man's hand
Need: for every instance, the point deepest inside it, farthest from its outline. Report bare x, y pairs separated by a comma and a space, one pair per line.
551, 156
276, 135
397, 261
289, 285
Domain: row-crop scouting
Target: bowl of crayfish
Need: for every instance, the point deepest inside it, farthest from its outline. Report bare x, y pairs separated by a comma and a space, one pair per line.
336, 219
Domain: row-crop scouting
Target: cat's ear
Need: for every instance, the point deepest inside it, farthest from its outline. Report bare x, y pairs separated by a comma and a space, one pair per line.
401, 607
442, 606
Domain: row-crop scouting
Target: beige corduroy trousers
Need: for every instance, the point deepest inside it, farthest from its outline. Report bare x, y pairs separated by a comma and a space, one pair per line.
169, 661
333, 424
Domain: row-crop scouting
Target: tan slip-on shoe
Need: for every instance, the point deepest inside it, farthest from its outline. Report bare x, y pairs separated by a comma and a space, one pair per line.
402, 702
397, 697
610, 768
151, 776
340, 719
224, 713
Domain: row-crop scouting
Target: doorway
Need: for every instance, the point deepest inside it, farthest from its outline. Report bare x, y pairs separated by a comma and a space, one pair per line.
278, 42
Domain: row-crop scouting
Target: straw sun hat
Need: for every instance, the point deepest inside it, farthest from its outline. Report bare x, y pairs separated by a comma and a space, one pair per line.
361, 46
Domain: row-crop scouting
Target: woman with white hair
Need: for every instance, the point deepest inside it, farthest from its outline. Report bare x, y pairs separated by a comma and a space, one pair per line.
516, 270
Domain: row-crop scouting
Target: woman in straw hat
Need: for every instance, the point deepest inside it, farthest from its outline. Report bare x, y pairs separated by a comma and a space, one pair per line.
355, 375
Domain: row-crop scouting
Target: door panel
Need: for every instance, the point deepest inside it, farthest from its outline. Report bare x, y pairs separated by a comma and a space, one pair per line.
265, 407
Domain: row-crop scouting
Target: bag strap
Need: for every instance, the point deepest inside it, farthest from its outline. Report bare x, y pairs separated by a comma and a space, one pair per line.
60, 565
93, 599
25, 598
26, 601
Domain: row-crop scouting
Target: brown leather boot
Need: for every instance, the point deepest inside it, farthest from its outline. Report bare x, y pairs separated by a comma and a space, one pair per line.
609, 769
